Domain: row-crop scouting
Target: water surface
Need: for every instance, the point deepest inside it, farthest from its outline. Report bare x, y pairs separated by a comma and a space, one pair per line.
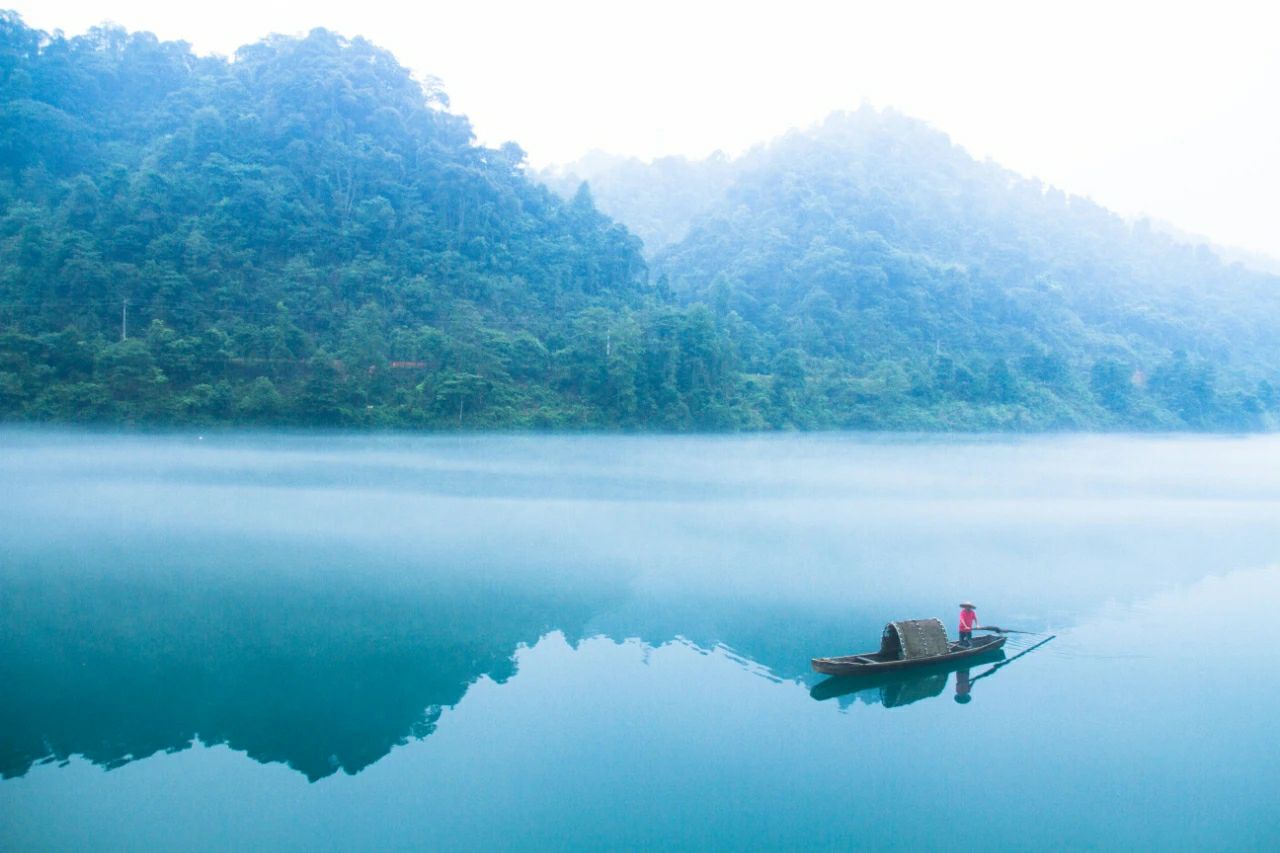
603, 642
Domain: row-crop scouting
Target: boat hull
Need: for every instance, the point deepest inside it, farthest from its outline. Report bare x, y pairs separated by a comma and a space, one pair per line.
870, 664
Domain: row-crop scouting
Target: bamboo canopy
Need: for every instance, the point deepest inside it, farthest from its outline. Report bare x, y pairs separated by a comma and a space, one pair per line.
914, 638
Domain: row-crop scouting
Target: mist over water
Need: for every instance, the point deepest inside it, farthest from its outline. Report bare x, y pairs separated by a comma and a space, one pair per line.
605, 641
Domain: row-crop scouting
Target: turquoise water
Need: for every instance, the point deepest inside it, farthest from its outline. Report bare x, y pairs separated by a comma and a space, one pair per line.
603, 643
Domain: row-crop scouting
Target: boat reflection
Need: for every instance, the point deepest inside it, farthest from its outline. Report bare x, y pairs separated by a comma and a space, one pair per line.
893, 690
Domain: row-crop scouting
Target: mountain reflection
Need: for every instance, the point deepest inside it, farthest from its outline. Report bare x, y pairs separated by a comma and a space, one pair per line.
326, 670
316, 601
320, 679
321, 670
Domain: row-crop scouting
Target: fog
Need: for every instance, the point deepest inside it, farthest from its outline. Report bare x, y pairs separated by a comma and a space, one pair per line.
1047, 528
1149, 108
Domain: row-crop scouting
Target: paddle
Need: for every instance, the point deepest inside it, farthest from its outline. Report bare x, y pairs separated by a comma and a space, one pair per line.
1004, 630
992, 670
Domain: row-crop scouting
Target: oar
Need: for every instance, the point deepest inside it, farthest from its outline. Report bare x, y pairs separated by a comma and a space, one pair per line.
1004, 630
1014, 658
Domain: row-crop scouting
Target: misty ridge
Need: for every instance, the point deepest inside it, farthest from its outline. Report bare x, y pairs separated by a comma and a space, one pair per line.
307, 235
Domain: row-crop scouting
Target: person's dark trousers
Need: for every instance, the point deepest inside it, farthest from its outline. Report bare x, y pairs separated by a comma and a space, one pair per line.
966, 637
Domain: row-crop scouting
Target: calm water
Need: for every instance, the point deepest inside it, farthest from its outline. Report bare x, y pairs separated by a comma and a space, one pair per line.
469, 643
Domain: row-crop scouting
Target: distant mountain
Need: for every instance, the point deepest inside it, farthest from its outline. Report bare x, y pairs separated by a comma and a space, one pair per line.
1256, 261
871, 273
657, 200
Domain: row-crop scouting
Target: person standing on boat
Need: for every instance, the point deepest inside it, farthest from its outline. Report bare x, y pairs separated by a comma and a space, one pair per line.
968, 621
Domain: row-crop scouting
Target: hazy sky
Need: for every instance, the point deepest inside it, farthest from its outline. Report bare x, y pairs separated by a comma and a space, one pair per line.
1158, 108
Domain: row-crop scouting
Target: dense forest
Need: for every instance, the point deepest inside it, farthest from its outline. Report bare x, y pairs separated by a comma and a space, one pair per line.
870, 273
306, 234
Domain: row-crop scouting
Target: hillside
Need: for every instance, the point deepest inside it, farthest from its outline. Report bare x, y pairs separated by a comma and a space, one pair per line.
305, 234
883, 277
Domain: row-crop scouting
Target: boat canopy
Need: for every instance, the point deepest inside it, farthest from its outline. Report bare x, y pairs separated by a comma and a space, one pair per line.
914, 638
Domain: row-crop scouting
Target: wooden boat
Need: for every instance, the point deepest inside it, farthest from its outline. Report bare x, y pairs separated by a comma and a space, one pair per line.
896, 685
906, 645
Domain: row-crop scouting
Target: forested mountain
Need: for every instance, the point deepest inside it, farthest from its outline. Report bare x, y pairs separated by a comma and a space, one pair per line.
305, 234
870, 273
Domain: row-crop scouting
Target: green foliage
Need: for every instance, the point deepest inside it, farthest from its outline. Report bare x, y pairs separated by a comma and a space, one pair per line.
875, 275
308, 236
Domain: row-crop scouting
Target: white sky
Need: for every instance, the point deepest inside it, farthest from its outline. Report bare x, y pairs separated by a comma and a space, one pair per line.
1168, 110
